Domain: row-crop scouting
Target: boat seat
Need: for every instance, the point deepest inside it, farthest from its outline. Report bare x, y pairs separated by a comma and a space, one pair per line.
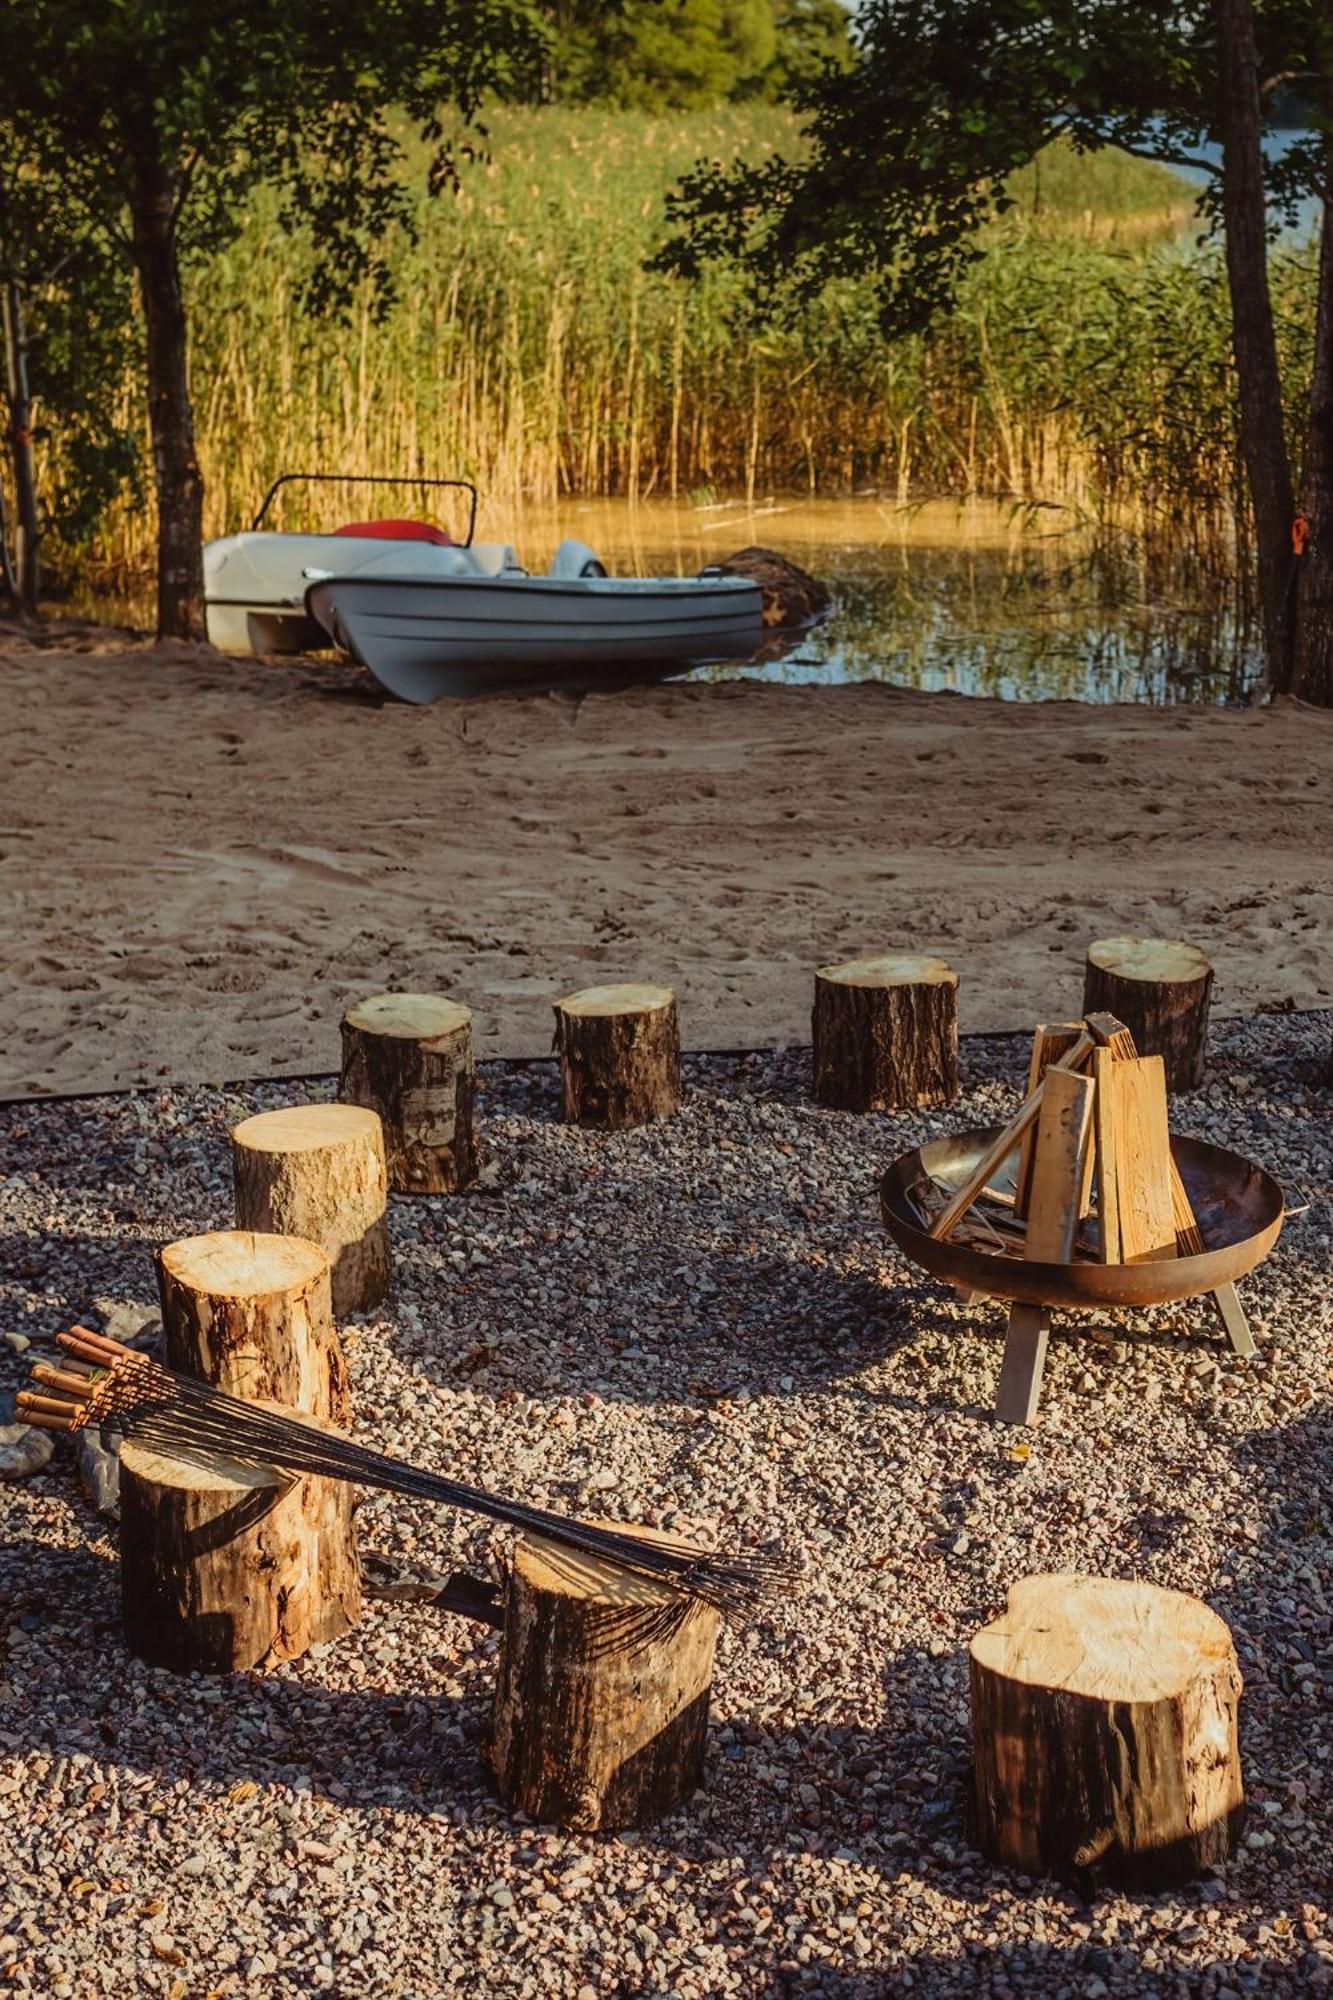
574, 559
495, 559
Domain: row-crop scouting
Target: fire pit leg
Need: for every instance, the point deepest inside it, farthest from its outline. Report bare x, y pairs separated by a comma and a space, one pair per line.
1232, 1315
1024, 1359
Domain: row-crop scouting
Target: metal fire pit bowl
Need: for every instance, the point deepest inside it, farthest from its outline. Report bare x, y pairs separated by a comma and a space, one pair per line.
1239, 1209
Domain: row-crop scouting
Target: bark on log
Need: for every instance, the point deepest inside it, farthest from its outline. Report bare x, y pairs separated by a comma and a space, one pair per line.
253, 1314
1160, 989
601, 1700
317, 1171
227, 1567
1104, 1734
619, 1055
408, 1056
885, 1033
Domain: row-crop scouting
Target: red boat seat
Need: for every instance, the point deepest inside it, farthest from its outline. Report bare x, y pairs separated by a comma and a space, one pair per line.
399, 531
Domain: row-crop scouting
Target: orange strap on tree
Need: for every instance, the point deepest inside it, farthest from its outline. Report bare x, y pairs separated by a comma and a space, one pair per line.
1300, 535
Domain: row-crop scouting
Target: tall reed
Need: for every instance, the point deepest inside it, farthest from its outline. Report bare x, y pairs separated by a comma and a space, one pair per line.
1086, 361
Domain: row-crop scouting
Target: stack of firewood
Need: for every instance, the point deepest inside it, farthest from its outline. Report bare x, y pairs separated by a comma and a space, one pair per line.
1093, 1175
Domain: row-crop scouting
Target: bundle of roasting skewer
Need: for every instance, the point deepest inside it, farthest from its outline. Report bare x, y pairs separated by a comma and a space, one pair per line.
103, 1384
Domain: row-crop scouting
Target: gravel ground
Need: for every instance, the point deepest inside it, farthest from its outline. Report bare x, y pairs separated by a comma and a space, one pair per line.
698, 1324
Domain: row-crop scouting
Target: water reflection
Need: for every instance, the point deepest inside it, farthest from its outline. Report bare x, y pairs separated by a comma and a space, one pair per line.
1021, 604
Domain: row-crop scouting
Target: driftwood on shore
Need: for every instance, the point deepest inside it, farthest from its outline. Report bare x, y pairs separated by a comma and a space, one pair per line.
791, 595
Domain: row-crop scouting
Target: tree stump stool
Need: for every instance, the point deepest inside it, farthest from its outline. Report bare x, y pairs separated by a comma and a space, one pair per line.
619, 1055
225, 1567
1159, 988
1104, 1733
317, 1171
601, 1701
885, 1033
408, 1056
253, 1314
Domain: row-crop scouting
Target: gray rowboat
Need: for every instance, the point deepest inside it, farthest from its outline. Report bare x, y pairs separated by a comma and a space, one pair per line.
428, 636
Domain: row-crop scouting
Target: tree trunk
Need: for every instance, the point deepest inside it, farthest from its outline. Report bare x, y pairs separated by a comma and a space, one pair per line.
1262, 436
1104, 1734
601, 1699
226, 1567
253, 1315
1160, 989
317, 1171
408, 1057
1312, 675
27, 577
884, 1033
619, 1055
180, 486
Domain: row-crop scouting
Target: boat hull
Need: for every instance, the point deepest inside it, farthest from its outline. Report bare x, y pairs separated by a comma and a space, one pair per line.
424, 638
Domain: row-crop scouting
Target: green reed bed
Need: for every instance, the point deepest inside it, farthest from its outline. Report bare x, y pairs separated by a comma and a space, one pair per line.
1086, 363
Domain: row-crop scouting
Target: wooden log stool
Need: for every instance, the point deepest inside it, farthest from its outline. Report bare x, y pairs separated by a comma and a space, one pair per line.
1159, 988
253, 1314
885, 1033
619, 1050
317, 1171
225, 1567
1104, 1733
601, 1702
408, 1056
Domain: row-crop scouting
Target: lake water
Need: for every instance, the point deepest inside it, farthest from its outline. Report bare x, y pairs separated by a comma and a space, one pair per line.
978, 597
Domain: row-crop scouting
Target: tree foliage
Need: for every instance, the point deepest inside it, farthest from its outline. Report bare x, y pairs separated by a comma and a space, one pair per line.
151, 121
647, 54
911, 147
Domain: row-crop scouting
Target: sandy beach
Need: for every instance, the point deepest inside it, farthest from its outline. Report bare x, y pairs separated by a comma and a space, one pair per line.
204, 858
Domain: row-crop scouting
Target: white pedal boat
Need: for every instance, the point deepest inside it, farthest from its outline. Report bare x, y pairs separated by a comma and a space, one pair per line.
429, 617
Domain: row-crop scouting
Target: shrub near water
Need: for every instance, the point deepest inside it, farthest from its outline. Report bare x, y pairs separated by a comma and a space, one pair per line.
1086, 363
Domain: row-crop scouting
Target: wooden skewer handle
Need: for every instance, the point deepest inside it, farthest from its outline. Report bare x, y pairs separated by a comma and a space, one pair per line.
57, 1378
45, 1410
83, 1338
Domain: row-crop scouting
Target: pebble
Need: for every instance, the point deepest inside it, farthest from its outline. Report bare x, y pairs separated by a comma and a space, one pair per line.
99, 1471
24, 1449
703, 1325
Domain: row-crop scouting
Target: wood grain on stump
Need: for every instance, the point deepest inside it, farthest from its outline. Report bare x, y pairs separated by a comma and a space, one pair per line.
1160, 989
317, 1171
601, 1703
885, 1033
253, 1314
225, 1567
619, 1052
1104, 1733
408, 1056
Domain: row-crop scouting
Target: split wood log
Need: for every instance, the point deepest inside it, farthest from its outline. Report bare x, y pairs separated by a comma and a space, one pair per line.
1145, 1202
1058, 1179
619, 1050
1104, 1733
408, 1056
1050, 1043
1159, 988
253, 1314
1114, 1037
601, 1701
225, 1567
885, 1033
1106, 1153
317, 1171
